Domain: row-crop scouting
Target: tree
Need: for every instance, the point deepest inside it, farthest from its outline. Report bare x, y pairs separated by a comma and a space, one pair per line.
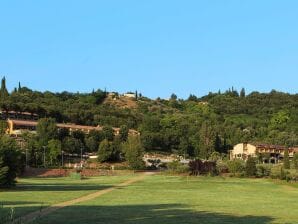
3, 174
242, 93
55, 148
108, 133
286, 159
123, 133
295, 161
72, 145
91, 144
217, 144
174, 97
251, 168
3, 91
11, 161
46, 130
134, 151
105, 151
3, 127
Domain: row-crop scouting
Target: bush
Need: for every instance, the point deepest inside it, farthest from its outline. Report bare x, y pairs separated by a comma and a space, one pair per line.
236, 166
222, 166
11, 161
263, 170
295, 161
278, 172
198, 167
177, 167
250, 168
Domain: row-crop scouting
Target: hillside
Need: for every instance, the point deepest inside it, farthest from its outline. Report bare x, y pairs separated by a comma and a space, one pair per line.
196, 126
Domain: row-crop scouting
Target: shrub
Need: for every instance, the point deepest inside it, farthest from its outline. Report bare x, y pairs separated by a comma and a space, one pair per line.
222, 166
198, 167
11, 161
286, 160
236, 166
278, 172
177, 167
250, 168
295, 161
263, 170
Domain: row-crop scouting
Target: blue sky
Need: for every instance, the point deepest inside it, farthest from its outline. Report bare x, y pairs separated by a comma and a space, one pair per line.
156, 47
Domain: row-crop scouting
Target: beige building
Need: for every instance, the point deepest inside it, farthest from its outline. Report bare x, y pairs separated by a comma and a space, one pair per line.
17, 127
269, 153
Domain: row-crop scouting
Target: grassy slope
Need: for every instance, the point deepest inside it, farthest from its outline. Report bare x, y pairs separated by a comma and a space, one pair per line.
33, 193
164, 199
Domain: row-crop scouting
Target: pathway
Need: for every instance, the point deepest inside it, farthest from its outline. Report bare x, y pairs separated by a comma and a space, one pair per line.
46, 211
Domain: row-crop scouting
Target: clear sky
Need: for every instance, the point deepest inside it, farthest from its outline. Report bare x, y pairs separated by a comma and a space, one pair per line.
154, 46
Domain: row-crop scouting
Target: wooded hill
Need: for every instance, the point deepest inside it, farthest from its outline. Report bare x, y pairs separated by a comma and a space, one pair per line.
195, 127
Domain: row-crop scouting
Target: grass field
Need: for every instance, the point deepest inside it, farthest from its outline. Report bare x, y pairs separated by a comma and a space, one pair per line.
160, 199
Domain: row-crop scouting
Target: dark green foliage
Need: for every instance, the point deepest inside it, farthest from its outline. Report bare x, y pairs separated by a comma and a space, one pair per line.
242, 93
134, 151
55, 149
176, 167
286, 160
3, 91
105, 151
251, 167
198, 167
123, 133
236, 166
46, 130
295, 161
11, 161
3, 174
263, 170
72, 145
108, 133
197, 125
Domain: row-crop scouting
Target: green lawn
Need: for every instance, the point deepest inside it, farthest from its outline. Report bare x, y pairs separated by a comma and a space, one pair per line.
34, 193
162, 200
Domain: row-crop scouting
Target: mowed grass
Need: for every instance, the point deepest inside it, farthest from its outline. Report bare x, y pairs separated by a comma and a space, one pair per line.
169, 199
33, 194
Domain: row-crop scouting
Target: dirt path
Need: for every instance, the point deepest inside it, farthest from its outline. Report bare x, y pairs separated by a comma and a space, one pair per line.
46, 211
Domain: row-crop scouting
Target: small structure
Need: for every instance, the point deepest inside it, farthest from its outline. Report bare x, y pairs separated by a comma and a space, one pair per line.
269, 153
129, 95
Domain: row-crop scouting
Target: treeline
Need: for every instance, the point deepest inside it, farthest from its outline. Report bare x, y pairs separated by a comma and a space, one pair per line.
195, 127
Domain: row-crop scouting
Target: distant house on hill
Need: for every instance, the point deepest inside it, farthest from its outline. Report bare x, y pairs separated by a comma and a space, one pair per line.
129, 95
269, 153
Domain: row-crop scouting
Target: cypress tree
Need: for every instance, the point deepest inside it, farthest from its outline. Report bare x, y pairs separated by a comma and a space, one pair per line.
251, 168
242, 93
3, 90
20, 87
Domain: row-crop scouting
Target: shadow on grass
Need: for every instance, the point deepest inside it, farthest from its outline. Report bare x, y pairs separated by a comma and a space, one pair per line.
145, 214
57, 187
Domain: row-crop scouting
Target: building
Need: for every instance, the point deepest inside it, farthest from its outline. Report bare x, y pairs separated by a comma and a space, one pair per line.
17, 127
130, 95
268, 153
4, 115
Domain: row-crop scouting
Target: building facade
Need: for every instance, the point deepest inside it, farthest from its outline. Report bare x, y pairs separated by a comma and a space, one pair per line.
268, 153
